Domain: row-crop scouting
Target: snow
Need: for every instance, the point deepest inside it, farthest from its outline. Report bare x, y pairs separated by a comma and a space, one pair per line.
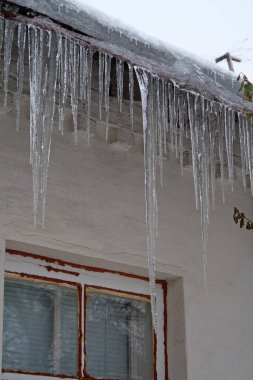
192, 17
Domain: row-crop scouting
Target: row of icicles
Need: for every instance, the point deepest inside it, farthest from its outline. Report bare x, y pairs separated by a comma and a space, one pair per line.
59, 68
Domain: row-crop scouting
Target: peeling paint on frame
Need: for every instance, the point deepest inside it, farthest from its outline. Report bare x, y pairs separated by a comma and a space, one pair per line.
82, 299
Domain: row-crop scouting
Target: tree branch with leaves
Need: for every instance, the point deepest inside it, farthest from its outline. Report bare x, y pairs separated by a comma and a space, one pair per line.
246, 87
239, 217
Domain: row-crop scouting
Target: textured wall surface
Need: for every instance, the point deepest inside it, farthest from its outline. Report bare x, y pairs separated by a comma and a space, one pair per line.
96, 211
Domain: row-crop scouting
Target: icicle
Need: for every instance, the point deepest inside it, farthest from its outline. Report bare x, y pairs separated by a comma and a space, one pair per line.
42, 77
120, 76
131, 94
63, 81
181, 126
171, 97
90, 53
213, 131
164, 115
203, 169
221, 147
83, 72
20, 68
229, 137
86, 59
159, 127
242, 147
1, 32
145, 83
10, 27
107, 81
101, 82
59, 76
175, 111
249, 149
74, 66
251, 152
192, 101
198, 109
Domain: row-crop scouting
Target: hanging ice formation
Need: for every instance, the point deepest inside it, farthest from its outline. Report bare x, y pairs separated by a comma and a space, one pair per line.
120, 74
61, 69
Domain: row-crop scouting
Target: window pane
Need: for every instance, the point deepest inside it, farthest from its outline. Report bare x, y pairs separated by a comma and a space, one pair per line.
119, 343
40, 327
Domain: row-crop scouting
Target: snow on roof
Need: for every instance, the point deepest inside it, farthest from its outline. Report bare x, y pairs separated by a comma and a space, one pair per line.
189, 71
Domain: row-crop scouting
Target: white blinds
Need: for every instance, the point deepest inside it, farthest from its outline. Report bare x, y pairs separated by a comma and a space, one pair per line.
41, 332
40, 327
119, 342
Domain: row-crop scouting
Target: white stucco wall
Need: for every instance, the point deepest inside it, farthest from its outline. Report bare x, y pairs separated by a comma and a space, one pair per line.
95, 209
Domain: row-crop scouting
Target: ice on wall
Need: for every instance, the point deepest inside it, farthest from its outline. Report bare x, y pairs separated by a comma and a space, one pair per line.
61, 69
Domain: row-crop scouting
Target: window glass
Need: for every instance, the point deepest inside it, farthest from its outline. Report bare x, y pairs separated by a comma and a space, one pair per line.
119, 343
40, 327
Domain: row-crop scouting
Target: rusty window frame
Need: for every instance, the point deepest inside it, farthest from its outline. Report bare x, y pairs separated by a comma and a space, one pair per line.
53, 281
120, 294
55, 267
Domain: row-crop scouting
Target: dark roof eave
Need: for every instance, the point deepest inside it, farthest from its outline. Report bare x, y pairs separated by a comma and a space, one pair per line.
186, 71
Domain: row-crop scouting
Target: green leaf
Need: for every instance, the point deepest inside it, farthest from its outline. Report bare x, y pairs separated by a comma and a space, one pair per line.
241, 87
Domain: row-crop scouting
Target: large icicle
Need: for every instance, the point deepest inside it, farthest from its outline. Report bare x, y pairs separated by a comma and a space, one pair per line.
213, 133
42, 76
145, 83
249, 149
101, 82
1, 34
131, 94
221, 147
164, 115
73, 75
242, 136
83, 72
192, 101
198, 112
10, 27
229, 138
181, 121
20, 68
107, 81
63, 50
88, 91
120, 77
158, 110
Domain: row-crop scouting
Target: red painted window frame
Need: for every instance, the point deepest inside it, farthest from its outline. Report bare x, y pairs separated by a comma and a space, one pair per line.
81, 305
78, 287
112, 291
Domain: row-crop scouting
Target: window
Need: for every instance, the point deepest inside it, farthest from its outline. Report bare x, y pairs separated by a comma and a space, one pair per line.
119, 342
76, 322
40, 327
